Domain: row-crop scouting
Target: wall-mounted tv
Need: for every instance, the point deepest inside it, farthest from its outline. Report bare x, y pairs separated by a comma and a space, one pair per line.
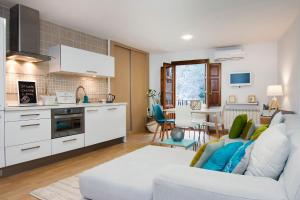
240, 79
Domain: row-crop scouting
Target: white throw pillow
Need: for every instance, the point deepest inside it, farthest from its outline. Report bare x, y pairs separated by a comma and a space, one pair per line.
269, 153
277, 119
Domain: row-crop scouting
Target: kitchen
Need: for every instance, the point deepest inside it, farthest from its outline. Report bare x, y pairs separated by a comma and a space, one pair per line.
66, 104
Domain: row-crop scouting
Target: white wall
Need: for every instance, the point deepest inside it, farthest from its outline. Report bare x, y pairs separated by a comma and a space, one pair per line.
260, 59
289, 66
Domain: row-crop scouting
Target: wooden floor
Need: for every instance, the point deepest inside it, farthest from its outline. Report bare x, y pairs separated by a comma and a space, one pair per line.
18, 187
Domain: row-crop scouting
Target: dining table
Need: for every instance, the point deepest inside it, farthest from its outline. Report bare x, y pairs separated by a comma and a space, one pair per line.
214, 111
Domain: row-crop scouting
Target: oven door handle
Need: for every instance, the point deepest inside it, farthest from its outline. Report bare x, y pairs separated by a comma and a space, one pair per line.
67, 116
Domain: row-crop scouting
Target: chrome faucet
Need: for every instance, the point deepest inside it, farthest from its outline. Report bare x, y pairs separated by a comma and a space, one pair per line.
77, 95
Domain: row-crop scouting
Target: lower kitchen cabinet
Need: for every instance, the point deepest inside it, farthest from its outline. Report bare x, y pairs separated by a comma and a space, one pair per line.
64, 144
2, 155
27, 152
104, 123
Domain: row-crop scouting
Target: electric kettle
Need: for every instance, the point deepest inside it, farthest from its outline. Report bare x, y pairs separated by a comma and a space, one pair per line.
110, 98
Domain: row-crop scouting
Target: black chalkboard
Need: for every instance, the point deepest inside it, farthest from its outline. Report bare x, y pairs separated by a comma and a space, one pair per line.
27, 92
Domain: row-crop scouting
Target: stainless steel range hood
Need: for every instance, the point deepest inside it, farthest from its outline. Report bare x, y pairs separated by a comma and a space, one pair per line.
24, 36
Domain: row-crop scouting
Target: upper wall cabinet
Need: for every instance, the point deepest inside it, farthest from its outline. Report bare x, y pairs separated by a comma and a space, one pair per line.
72, 60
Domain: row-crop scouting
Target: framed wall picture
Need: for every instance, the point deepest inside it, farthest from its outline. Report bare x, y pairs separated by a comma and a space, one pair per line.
27, 92
252, 99
232, 99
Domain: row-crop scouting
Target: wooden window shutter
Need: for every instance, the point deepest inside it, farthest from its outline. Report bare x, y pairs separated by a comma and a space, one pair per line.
167, 85
214, 84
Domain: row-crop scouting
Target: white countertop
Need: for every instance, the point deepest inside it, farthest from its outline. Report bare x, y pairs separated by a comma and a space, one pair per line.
16, 107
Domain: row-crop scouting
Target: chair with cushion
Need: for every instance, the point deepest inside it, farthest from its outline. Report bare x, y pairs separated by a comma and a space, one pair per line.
162, 122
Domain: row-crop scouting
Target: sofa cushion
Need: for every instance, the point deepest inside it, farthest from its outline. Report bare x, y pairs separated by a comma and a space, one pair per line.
258, 132
248, 130
130, 177
238, 163
237, 126
290, 177
219, 159
209, 150
269, 154
292, 123
277, 119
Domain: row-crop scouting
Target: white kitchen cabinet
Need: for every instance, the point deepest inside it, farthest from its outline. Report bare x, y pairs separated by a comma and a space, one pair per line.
64, 144
104, 123
27, 152
24, 115
2, 155
2, 61
22, 132
73, 60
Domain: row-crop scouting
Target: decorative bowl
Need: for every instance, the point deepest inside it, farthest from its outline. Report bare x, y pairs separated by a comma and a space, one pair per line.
177, 134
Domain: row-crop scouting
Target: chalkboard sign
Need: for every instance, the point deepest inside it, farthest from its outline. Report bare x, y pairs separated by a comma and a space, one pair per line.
27, 92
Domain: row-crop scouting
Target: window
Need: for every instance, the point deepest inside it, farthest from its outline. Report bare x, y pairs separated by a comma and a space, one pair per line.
183, 81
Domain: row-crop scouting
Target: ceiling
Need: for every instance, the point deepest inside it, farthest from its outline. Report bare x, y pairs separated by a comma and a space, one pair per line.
157, 25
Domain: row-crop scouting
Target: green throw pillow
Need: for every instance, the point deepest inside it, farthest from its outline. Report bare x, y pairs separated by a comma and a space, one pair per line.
211, 147
198, 155
237, 126
248, 130
258, 132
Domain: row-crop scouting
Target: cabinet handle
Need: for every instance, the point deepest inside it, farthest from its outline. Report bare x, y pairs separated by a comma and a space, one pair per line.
28, 115
27, 125
92, 110
30, 148
74, 139
112, 108
92, 72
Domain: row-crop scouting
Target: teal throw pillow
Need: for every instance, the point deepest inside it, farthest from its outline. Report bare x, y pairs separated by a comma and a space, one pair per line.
219, 159
237, 126
238, 163
211, 147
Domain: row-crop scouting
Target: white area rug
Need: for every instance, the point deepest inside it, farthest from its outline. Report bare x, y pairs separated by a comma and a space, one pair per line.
65, 189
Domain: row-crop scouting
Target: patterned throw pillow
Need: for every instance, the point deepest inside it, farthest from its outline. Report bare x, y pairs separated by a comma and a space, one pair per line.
198, 155
211, 147
237, 126
238, 163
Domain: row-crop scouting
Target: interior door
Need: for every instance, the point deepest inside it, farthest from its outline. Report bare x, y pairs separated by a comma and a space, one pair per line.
168, 77
214, 84
139, 87
120, 84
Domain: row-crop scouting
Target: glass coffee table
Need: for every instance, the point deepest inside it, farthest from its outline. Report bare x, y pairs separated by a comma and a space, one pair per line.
184, 143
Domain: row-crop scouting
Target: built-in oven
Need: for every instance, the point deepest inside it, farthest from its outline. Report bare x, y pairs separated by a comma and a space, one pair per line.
67, 121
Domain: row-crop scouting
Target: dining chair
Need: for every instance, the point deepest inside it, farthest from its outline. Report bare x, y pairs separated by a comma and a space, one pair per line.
162, 121
219, 125
183, 118
200, 120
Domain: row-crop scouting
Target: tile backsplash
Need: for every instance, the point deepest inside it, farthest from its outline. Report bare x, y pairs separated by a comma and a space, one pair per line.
52, 34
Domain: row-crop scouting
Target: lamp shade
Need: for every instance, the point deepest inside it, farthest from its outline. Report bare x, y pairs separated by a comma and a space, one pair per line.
274, 90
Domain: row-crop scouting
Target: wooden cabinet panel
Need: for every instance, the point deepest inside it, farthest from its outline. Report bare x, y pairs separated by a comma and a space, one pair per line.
131, 83
139, 88
214, 84
120, 84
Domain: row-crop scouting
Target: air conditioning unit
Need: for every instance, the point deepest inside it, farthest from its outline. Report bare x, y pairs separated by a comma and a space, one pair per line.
229, 53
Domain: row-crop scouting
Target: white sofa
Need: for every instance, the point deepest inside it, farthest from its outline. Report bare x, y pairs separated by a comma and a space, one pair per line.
161, 173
